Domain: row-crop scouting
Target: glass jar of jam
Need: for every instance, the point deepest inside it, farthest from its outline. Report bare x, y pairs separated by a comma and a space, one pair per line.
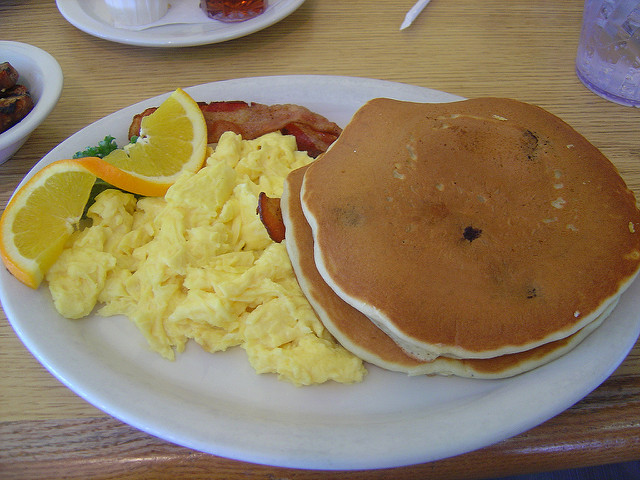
233, 10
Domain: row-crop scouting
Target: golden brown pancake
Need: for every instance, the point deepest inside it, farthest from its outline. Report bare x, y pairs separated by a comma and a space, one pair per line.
470, 229
350, 327
359, 335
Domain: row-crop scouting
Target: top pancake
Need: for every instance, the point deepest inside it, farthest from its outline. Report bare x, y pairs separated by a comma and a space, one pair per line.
360, 336
470, 229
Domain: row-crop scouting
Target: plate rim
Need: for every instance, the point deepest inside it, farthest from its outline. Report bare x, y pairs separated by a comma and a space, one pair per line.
73, 12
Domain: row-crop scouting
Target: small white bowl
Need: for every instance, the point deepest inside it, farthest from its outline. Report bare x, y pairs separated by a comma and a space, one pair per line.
42, 75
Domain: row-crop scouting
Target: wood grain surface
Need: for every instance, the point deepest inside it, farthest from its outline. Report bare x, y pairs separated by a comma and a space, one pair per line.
521, 49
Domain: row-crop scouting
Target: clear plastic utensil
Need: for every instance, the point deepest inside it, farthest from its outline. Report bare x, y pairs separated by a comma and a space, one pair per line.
413, 13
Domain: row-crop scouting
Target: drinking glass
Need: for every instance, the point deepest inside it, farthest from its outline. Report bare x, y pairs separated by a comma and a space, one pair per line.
608, 59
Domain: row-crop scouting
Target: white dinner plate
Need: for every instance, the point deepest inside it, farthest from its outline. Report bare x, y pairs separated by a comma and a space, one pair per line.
92, 17
215, 403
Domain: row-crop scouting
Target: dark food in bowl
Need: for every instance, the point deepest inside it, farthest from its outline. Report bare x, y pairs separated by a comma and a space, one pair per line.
15, 100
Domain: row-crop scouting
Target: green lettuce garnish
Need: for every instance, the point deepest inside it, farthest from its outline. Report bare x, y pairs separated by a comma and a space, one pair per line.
104, 148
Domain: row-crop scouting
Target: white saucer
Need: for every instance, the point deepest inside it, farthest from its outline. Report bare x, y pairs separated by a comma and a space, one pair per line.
175, 29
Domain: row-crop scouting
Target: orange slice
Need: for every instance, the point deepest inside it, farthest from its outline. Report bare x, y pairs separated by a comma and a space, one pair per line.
40, 218
46, 210
172, 140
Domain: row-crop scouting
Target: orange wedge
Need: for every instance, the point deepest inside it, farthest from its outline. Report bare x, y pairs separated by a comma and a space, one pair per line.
173, 140
40, 218
46, 210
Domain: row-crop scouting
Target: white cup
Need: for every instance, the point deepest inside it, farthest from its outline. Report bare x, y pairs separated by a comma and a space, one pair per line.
136, 12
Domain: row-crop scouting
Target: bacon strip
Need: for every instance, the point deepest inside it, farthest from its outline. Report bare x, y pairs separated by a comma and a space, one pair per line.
313, 132
271, 216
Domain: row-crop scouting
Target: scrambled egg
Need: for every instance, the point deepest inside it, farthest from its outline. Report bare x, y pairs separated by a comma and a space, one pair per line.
198, 264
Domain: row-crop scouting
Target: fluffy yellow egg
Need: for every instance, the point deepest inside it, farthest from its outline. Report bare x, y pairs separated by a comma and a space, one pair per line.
198, 264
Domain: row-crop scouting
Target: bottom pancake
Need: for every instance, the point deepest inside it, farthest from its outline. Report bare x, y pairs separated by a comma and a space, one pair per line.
360, 336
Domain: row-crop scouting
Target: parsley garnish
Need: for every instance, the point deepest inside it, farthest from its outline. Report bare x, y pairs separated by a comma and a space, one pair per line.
104, 148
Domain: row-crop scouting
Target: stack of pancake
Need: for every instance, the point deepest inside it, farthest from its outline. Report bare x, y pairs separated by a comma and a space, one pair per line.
479, 238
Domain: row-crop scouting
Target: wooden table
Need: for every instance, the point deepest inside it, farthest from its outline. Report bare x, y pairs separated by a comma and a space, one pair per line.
521, 49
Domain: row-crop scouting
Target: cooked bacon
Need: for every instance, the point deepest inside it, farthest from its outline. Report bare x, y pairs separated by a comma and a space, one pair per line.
313, 132
308, 139
271, 216
134, 128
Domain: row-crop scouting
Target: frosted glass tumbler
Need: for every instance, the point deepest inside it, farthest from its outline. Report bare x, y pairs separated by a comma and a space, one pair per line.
608, 60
